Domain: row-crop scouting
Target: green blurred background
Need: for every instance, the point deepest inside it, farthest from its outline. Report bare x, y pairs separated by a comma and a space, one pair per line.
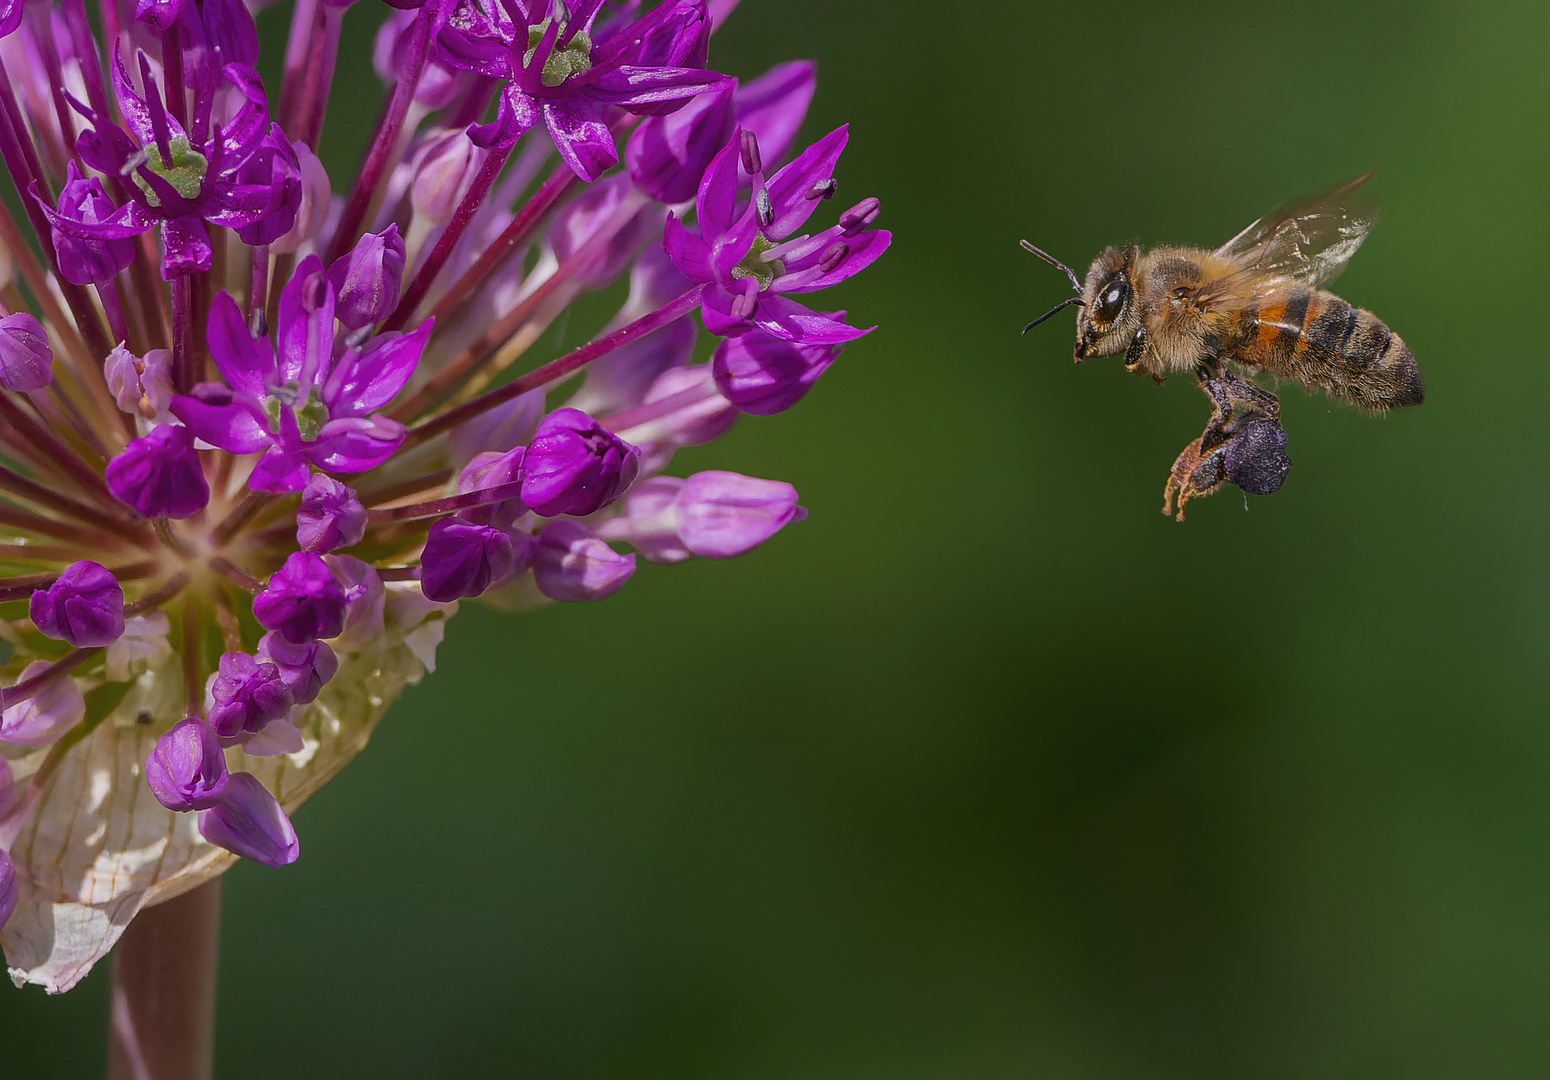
988, 769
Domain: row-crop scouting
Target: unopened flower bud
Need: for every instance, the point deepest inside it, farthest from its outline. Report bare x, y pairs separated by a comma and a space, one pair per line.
8, 889
302, 602
364, 598
186, 769
463, 558
247, 821
141, 386
705, 419
243, 695
84, 207
667, 155
571, 562
724, 514
276, 167
649, 523
305, 669
764, 375
84, 606
622, 379
367, 280
26, 361
487, 471
316, 201
54, 709
774, 105
159, 475
574, 465
330, 516
443, 171
586, 217
142, 646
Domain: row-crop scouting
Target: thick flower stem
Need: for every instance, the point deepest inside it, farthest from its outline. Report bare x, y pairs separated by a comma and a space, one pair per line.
161, 1022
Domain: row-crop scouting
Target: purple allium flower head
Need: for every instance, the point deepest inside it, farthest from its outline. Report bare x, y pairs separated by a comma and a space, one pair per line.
574, 465
292, 398
546, 48
141, 386
764, 375
330, 516
748, 259
248, 822
571, 562
84, 606
26, 361
8, 888
186, 769
667, 155
303, 602
244, 695
464, 558
715, 515
305, 669
159, 475
53, 710
367, 280
83, 261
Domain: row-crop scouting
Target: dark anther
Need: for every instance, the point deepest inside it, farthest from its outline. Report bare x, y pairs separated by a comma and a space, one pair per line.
752, 165
824, 190
356, 338
860, 216
763, 208
258, 326
833, 255
313, 290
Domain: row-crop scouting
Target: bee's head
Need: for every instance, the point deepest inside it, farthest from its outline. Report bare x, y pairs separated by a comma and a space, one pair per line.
1110, 315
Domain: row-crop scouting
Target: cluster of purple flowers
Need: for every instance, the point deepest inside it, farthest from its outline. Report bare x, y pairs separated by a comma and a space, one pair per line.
247, 423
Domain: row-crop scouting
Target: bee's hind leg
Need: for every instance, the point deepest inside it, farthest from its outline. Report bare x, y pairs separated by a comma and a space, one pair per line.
1200, 470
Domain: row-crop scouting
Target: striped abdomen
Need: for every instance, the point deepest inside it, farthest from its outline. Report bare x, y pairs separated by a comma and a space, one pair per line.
1319, 339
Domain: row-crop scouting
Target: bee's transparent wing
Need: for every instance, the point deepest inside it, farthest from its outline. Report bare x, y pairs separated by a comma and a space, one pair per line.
1307, 241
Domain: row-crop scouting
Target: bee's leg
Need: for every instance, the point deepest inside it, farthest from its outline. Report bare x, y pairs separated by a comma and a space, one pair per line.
1197, 472
1137, 351
1249, 399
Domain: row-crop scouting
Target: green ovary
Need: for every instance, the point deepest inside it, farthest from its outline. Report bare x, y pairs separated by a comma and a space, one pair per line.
574, 59
185, 172
754, 265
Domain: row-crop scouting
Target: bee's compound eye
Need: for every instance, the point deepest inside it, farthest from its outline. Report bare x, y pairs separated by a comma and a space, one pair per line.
1112, 300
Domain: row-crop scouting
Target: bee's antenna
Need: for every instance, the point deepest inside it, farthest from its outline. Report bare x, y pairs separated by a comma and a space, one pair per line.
1051, 311
1047, 257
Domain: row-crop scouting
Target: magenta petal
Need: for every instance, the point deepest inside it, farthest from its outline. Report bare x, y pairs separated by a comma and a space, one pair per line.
355, 444
159, 474
788, 188
787, 319
236, 427
278, 471
185, 247
689, 253
514, 118
305, 340
366, 381
245, 364
715, 205
629, 86
572, 563
718, 309
580, 135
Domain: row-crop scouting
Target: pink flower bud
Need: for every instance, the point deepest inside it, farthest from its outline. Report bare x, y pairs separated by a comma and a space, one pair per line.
142, 386
186, 769
26, 361
248, 822
572, 563
56, 708
444, 169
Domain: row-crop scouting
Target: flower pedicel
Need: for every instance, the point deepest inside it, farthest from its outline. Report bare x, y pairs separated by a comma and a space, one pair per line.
257, 439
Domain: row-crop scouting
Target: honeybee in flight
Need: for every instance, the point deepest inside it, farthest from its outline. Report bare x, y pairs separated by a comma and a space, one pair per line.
1256, 303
